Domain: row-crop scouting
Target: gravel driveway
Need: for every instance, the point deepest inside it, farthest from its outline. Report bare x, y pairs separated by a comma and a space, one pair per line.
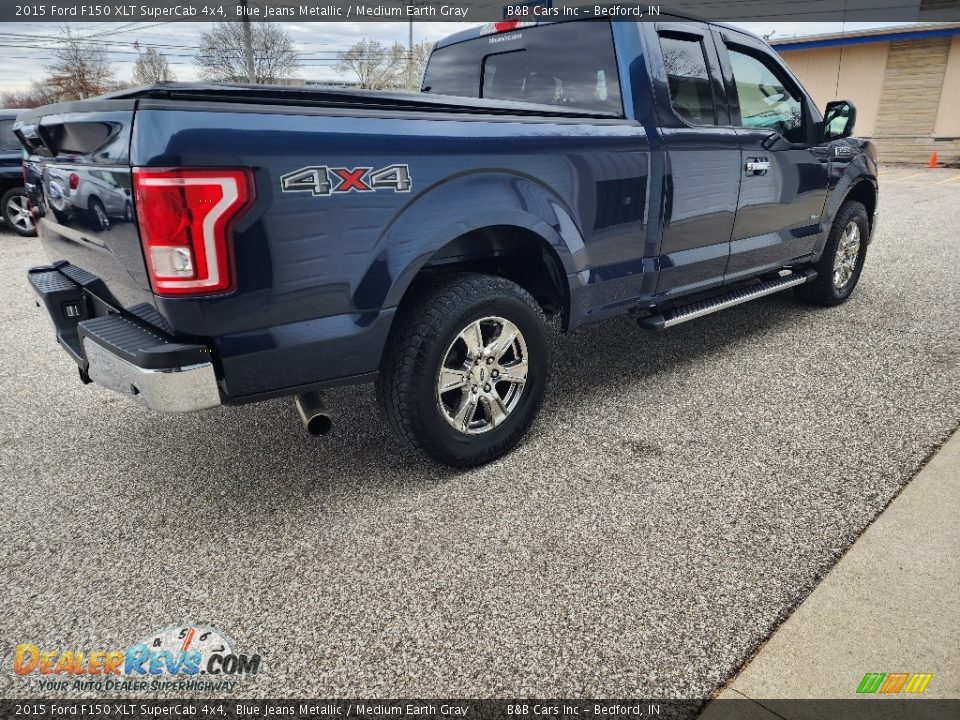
680, 493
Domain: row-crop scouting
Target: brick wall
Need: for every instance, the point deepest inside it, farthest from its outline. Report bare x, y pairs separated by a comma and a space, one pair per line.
907, 93
909, 101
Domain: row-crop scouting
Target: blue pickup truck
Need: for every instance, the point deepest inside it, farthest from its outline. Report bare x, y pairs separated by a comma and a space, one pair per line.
284, 240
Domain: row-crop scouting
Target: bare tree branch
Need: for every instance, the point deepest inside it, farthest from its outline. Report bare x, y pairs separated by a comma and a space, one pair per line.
152, 67
381, 67
221, 56
37, 96
421, 53
80, 69
372, 62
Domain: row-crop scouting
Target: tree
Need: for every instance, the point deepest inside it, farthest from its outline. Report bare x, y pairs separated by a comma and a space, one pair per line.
221, 57
373, 63
380, 67
37, 95
152, 67
421, 53
80, 69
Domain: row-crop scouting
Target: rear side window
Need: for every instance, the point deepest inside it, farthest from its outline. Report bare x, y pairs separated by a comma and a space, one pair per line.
8, 141
570, 64
691, 93
448, 74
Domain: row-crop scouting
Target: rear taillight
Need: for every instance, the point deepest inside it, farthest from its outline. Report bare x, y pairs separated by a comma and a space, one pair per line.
506, 26
74, 181
185, 217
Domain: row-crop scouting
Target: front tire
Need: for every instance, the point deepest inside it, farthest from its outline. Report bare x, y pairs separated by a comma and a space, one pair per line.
466, 369
839, 268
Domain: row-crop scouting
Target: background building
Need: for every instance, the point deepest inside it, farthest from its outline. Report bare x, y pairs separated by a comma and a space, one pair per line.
904, 81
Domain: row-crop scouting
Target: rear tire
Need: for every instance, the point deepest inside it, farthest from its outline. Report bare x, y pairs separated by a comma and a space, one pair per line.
839, 268
465, 369
98, 215
16, 212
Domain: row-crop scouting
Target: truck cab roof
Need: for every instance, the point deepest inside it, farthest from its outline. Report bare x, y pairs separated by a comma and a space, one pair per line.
478, 31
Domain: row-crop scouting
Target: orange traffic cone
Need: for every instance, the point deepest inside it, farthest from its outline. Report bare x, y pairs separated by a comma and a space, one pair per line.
933, 160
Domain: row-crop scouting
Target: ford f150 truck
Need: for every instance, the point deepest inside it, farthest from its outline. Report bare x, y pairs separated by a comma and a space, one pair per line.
285, 240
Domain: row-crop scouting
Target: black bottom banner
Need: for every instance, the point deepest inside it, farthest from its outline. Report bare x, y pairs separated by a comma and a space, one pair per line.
207, 709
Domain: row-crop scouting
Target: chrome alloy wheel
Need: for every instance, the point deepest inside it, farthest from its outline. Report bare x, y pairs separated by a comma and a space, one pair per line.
18, 213
482, 374
103, 220
848, 250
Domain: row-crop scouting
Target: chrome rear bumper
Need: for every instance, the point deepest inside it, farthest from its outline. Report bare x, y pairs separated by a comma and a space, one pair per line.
171, 390
122, 352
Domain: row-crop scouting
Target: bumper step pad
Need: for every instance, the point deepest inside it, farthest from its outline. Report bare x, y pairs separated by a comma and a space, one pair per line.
65, 305
139, 346
121, 353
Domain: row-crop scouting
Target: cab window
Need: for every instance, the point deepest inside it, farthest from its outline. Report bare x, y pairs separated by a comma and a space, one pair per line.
8, 141
567, 64
766, 101
504, 75
691, 93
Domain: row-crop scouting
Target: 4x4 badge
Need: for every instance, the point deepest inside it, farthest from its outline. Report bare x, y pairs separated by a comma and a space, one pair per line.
321, 180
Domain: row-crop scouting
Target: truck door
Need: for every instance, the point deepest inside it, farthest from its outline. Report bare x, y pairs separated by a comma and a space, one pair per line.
701, 176
784, 180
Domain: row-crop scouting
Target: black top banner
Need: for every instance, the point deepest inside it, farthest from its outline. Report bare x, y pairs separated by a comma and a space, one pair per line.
300, 11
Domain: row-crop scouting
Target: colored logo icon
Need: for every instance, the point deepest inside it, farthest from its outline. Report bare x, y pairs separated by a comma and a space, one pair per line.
894, 683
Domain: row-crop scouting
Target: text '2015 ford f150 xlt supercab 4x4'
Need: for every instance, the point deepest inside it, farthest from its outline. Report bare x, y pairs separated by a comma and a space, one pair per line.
222, 244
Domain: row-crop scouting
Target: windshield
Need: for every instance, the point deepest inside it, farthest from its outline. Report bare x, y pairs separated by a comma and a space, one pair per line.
570, 64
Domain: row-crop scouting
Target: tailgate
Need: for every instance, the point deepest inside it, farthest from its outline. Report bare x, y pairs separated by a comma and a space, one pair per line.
79, 180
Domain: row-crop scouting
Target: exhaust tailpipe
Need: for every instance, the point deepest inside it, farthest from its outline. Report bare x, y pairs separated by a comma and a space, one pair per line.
313, 413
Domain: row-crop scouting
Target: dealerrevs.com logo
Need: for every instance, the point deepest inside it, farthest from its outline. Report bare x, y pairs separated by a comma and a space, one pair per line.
179, 657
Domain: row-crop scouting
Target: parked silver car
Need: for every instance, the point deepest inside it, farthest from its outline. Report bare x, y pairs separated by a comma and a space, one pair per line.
97, 195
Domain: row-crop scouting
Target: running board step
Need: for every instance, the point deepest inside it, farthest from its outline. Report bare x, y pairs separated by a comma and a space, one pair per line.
679, 315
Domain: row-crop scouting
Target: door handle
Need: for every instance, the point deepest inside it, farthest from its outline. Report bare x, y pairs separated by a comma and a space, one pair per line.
757, 166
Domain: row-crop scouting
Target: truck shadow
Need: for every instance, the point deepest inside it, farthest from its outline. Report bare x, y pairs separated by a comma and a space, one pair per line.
261, 454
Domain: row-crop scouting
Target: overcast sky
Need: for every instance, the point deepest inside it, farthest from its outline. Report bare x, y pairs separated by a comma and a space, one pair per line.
26, 47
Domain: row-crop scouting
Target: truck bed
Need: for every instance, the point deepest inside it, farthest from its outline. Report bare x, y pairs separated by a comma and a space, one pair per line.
333, 97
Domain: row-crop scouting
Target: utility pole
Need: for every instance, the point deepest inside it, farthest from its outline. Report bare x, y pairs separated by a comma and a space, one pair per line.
410, 59
248, 44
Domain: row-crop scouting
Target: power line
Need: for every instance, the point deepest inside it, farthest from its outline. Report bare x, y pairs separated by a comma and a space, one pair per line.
45, 52
13, 40
59, 39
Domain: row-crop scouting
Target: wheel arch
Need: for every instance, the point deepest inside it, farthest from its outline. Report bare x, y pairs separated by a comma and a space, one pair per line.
859, 186
865, 192
513, 252
854, 184
500, 223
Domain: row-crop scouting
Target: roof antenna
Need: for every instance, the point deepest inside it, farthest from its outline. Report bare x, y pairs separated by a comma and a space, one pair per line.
843, 34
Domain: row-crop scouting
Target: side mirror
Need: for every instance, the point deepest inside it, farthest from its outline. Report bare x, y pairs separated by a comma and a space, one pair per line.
839, 119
